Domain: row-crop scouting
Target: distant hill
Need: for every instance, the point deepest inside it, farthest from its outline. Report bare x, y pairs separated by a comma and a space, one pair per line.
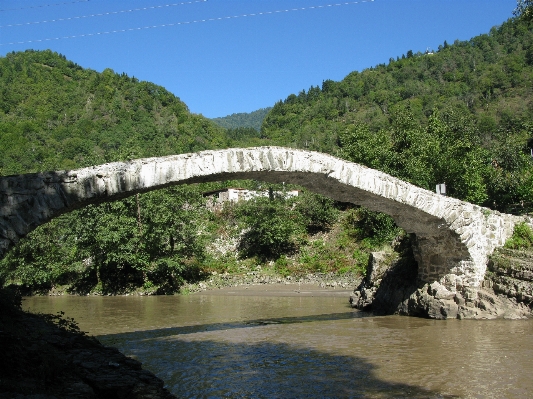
251, 120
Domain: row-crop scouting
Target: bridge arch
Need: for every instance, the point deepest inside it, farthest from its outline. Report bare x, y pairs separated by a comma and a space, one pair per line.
454, 238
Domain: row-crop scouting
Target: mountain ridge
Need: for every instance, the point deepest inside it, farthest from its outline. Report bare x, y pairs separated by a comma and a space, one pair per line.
252, 119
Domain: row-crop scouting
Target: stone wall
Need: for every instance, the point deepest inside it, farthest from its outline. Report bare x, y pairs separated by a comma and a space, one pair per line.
453, 238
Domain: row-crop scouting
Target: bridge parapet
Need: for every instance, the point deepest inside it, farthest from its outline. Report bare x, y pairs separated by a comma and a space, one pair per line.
454, 238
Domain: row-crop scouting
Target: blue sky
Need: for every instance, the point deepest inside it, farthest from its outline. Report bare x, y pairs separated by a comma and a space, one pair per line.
241, 64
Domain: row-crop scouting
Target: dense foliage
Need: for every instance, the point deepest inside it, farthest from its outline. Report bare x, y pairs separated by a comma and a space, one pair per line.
522, 237
276, 226
145, 240
461, 116
244, 137
55, 115
161, 239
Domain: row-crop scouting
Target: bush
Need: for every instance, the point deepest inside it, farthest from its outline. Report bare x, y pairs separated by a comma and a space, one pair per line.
273, 229
281, 266
522, 237
373, 228
318, 212
361, 260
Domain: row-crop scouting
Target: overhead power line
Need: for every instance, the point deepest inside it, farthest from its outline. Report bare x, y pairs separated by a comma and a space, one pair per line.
103, 14
187, 22
44, 5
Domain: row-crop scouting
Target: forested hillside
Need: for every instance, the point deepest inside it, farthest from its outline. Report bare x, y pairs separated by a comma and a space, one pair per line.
243, 128
252, 120
462, 115
55, 114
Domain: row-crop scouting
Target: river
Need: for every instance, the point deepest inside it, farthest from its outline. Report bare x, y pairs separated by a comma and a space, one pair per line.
304, 342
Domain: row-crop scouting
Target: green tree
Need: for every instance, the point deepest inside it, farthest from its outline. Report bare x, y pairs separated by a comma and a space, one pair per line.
372, 149
318, 213
109, 239
44, 259
273, 229
171, 221
373, 228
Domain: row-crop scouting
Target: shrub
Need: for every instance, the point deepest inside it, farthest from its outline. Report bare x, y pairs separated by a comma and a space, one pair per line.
318, 212
373, 228
273, 229
522, 237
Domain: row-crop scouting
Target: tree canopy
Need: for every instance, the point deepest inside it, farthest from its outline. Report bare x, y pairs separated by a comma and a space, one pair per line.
56, 115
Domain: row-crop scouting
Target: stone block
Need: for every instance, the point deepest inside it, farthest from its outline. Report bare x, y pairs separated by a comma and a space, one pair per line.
458, 299
441, 292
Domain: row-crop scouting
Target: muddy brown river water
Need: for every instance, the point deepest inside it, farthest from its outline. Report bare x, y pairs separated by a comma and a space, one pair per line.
304, 342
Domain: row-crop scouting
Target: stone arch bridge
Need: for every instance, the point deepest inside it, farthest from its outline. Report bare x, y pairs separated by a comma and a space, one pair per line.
453, 238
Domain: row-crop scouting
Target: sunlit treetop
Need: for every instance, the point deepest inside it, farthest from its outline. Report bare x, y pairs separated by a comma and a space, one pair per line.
524, 9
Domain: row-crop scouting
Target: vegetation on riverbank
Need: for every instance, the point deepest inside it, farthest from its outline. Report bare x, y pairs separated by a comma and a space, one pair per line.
159, 241
522, 237
510, 268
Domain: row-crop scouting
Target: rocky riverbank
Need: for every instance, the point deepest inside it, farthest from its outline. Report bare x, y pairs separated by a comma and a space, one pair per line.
47, 357
348, 280
391, 286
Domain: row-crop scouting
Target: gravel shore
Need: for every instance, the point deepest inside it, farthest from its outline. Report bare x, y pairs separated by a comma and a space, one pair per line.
326, 281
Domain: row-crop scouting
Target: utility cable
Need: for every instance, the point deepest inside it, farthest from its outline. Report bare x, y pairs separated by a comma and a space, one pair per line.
44, 5
103, 14
187, 22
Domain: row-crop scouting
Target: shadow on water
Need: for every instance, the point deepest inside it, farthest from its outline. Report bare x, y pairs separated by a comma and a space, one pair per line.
194, 363
172, 331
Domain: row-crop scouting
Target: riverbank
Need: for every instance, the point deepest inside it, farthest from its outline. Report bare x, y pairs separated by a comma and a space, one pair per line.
280, 290
249, 278
258, 278
46, 356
